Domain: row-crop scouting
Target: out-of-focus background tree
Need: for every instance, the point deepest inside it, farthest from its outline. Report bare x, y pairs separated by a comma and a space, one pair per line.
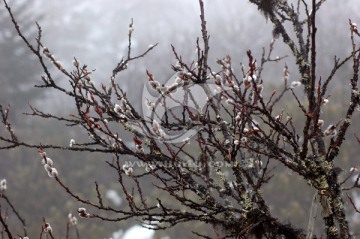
96, 33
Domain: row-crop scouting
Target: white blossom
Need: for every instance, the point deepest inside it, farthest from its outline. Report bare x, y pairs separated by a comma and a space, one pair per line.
150, 105
353, 26
320, 123
3, 185
227, 72
46, 52
249, 79
154, 84
47, 168
139, 148
47, 161
352, 169
238, 117
76, 62
330, 130
163, 89
72, 142
58, 64
218, 78
325, 101
117, 108
295, 84
47, 228
42, 153
173, 88
73, 220
127, 169
54, 172
356, 92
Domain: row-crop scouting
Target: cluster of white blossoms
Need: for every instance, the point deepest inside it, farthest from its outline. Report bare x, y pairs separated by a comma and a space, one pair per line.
183, 76
52, 59
226, 65
329, 131
3, 185
123, 109
48, 164
82, 213
72, 219
114, 142
158, 131
163, 89
149, 104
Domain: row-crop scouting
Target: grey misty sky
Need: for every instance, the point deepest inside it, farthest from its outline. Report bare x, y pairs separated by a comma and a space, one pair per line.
96, 32
100, 27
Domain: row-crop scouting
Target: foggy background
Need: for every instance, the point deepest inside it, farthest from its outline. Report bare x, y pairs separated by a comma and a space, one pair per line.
95, 32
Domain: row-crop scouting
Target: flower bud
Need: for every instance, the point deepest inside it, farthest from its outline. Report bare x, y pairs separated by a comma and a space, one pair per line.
82, 213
